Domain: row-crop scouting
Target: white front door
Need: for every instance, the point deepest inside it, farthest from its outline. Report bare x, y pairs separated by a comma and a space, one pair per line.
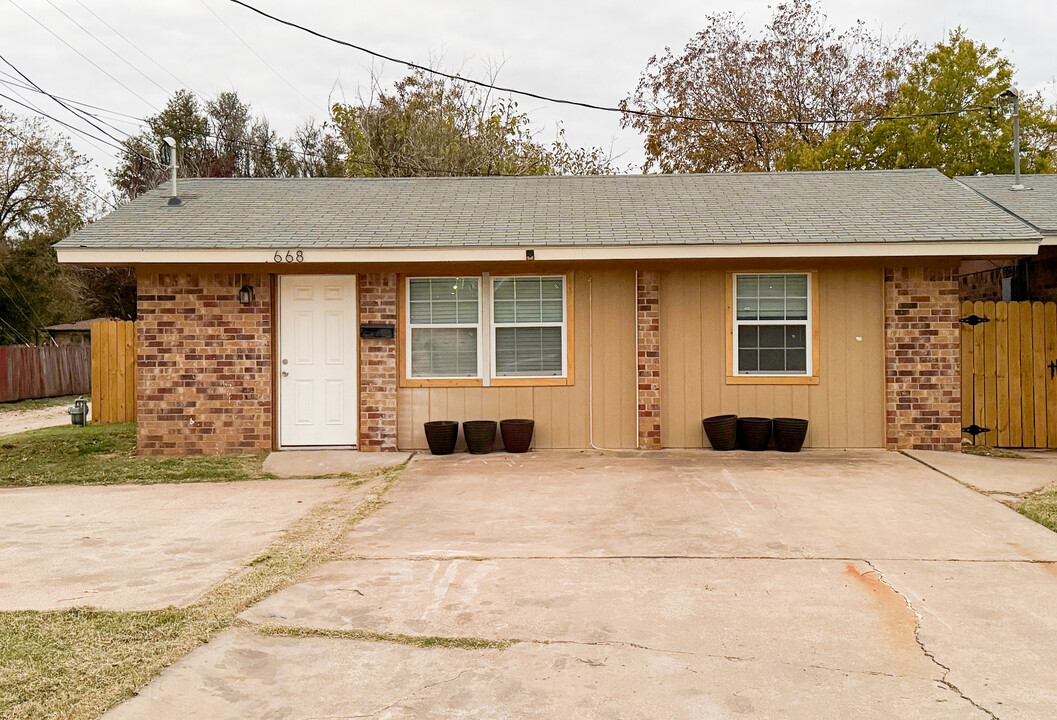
317, 360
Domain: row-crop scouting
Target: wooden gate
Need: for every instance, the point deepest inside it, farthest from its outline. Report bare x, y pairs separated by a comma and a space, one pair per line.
1009, 373
113, 371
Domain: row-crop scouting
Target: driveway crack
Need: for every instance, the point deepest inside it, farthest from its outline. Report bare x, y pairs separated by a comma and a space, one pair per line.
925, 651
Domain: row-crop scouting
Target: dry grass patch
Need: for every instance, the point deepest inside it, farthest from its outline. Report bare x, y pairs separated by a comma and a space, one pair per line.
1041, 507
422, 641
76, 664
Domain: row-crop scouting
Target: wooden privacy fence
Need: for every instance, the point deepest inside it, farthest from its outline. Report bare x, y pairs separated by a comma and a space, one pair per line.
1009, 373
28, 372
113, 371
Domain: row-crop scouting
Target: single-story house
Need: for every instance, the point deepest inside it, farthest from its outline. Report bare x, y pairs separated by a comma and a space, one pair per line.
74, 333
1028, 278
617, 312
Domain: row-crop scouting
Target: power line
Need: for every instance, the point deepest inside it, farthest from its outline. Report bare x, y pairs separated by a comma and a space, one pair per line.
258, 56
134, 46
605, 108
86, 58
77, 130
58, 168
71, 110
109, 49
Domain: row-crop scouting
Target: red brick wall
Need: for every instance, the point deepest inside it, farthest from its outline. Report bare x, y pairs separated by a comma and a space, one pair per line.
648, 328
204, 364
378, 377
923, 387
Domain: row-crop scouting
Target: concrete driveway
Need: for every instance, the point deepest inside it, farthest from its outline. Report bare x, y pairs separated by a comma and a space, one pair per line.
663, 585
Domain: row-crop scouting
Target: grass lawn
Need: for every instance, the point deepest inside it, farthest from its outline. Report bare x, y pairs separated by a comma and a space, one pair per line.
76, 664
37, 404
1041, 507
103, 455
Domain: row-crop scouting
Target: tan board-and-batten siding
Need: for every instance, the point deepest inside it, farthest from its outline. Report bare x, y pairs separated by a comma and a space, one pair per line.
604, 308
847, 406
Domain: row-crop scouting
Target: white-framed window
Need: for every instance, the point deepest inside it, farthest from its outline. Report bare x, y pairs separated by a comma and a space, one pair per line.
528, 326
486, 328
772, 324
444, 327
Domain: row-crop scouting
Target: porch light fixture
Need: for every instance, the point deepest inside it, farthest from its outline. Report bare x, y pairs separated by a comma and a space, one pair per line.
246, 294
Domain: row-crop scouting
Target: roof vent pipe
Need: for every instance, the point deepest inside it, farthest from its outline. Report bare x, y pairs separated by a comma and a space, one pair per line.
1012, 94
174, 198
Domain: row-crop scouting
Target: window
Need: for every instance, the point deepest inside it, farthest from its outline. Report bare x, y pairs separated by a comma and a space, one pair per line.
487, 330
528, 319
444, 327
772, 325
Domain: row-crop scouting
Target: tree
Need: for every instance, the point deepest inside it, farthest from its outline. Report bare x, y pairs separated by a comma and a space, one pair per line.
428, 125
46, 192
955, 74
798, 71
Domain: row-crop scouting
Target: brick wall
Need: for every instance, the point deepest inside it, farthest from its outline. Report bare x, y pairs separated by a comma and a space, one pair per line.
204, 365
378, 378
648, 329
923, 402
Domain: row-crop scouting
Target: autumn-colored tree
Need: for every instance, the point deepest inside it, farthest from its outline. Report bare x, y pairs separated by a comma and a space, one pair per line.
429, 125
957, 73
46, 192
762, 94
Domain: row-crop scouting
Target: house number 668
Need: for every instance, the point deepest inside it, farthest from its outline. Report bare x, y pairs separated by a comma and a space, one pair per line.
289, 257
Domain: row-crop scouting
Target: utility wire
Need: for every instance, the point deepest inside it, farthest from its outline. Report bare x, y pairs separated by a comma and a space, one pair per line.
606, 108
14, 81
134, 46
258, 55
77, 130
109, 49
86, 58
71, 110
59, 169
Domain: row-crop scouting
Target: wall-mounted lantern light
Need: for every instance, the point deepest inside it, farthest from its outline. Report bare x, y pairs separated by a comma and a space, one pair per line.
246, 294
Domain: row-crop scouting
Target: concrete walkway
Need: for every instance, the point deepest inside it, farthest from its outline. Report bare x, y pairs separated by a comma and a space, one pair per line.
327, 463
662, 585
138, 547
17, 421
995, 475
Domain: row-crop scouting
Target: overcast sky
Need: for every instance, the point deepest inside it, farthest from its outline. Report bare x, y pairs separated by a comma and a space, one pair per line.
585, 50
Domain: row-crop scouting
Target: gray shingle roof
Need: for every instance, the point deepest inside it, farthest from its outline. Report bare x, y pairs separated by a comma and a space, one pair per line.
750, 208
1036, 203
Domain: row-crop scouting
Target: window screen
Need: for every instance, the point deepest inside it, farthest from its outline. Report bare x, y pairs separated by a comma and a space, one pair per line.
528, 319
444, 318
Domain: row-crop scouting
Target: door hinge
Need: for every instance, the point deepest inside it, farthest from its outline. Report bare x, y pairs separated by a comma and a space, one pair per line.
1053, 369
974, 320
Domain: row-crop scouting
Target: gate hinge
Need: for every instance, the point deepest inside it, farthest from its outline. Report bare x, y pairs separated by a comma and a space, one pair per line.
975, 430
974, 320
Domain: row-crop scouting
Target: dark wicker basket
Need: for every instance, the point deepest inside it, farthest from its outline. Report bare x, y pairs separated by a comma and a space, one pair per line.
480, 436
517, 434
721, 431
790, 433
754, 433
441, 436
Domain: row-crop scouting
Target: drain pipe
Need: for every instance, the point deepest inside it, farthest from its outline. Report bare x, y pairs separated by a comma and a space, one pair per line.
591, 369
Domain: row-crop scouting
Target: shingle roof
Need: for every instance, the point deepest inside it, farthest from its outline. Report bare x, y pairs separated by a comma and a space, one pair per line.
750, 208
1036, 203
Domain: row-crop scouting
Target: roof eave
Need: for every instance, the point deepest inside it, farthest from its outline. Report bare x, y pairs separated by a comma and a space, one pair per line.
792, 250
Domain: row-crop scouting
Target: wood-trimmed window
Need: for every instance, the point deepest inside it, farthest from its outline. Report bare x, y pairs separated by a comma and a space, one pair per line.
772, 328
508, 330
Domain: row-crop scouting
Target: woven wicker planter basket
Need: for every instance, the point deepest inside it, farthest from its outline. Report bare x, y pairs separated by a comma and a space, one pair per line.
441, 436
721, 431
754, 433
517, 434
480, 436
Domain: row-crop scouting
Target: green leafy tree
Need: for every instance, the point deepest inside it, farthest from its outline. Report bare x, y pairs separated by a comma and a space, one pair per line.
796, 71
955, 74
428, 125
46, 192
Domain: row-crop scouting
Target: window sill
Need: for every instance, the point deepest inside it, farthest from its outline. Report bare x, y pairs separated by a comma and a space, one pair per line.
772, 380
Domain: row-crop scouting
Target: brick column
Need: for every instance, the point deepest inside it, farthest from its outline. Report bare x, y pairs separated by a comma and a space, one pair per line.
378, 376
648, 336
922, 359
203, 364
